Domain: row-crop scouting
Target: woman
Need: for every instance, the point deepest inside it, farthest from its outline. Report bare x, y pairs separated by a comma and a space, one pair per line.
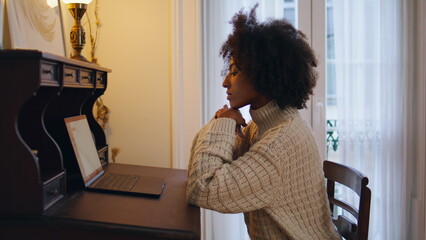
271, 171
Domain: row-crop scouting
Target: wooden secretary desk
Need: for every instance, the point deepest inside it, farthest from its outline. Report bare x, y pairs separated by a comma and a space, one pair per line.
41, 190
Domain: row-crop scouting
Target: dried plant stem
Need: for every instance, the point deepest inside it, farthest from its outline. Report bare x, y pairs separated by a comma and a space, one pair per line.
94, 39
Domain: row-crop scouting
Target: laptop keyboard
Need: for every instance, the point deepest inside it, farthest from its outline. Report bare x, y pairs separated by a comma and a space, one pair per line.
115, 181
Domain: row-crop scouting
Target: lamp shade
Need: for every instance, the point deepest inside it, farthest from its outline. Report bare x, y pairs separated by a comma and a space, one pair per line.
77, 1
52, 3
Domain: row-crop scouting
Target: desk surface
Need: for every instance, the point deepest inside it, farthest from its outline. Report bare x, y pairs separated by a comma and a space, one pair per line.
167, 217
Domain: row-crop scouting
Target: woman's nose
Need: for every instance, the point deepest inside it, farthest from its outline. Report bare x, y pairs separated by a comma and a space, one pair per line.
225, 82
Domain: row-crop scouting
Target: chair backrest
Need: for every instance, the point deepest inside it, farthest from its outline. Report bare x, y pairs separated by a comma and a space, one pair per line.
355, 180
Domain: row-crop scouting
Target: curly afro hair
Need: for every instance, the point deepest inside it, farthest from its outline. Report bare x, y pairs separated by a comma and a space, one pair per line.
275, 56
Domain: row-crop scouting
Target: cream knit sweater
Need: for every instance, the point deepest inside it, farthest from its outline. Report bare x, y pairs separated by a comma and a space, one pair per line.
273, 175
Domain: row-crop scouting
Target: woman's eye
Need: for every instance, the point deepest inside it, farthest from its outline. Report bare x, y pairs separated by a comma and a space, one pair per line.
234, 73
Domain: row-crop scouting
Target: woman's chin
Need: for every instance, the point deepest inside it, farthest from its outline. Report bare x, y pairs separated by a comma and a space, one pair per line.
233, 105
236, 106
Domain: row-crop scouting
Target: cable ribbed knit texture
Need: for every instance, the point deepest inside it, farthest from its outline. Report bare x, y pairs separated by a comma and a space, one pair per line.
273, 175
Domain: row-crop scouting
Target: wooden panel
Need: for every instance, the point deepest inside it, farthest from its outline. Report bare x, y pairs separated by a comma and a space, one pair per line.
42, 230
19, 179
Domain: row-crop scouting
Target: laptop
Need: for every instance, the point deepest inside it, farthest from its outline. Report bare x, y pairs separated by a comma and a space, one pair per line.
95, 177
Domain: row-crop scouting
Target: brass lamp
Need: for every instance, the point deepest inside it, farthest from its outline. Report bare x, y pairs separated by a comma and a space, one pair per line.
77, 35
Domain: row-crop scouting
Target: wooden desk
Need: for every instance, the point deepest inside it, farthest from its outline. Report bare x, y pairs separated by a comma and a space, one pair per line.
111, 216
41, 189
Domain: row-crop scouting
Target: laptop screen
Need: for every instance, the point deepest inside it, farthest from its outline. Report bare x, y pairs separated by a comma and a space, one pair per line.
84, 148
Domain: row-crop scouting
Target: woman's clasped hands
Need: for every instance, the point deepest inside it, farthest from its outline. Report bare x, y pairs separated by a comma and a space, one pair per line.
235, 114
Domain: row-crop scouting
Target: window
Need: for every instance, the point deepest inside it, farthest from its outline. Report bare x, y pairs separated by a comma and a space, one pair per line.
290, 11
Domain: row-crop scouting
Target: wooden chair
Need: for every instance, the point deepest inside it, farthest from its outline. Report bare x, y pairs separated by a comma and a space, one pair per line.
355, 180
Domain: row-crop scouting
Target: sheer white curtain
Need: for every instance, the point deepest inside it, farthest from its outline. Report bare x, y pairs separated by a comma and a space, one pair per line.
217, 14
374, 100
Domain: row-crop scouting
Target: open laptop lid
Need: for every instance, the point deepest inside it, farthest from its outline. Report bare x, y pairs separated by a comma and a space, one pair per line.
84, 148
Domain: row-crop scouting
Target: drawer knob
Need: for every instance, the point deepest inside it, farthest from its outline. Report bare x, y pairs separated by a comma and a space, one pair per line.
47, 71
54, 192
69, 75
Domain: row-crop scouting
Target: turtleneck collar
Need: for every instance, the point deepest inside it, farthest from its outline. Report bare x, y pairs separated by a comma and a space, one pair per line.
270, 116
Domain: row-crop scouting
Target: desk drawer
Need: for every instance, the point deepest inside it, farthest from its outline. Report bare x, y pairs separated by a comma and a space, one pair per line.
100, 79
70, 76
53, 190
49, 74
86, 78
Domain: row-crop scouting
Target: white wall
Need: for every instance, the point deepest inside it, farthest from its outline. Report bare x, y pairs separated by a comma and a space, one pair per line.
135, 42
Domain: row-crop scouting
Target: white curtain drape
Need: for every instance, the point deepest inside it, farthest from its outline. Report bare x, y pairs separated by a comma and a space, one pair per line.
374, 81
217, 15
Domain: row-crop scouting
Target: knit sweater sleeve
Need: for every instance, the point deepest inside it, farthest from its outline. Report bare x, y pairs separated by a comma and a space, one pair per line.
218, 183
